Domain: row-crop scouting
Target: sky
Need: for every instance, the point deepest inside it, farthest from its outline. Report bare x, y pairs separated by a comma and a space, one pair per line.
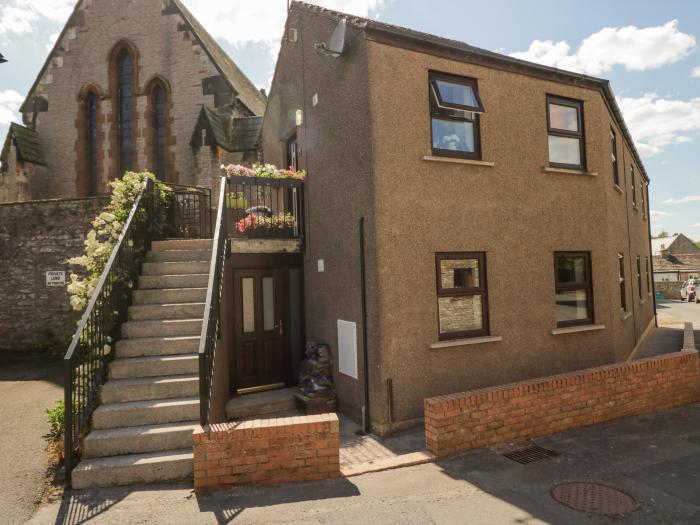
649, 50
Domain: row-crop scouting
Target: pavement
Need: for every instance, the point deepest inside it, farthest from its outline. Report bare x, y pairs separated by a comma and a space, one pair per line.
654, 458
27, 388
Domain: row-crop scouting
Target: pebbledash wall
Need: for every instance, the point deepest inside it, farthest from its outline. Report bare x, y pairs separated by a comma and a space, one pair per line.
37, 237
267, 451
480, 418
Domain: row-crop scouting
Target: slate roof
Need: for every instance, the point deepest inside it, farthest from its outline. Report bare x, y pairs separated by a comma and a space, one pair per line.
28, 145
248, 94
458, 49
683, 263
240, 135
657, 243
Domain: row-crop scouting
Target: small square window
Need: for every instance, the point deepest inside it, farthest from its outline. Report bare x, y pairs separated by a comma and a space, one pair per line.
462, 295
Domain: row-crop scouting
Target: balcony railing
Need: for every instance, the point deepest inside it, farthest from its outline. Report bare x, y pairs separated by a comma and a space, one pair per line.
260, 208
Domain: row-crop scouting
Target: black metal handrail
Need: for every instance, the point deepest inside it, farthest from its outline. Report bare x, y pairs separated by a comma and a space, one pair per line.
262, 208
211, 326
87, 359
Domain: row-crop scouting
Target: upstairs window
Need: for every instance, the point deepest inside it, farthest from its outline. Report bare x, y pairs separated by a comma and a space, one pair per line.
642, 192
634, 185
462, 295
125, 94
159, 131
613, 152
454, 112
623, 292
91, 149
566, 135
574, 289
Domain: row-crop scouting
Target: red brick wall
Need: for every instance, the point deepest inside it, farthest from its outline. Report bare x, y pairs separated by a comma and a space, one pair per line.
459, 422
267, 451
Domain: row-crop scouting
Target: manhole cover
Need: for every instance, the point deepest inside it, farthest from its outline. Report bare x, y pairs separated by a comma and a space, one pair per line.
532, 454
594, 498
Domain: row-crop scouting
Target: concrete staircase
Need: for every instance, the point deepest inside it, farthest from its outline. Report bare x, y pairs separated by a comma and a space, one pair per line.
142, 430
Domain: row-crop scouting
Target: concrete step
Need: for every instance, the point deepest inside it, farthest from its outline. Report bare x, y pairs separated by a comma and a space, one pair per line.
161, 282
149, 388
134, 468
150, 312
154, 366
162, 328
138, 440
179, 256
175, 268
154, 412
182, 244
262, 403
170, 296
153, 346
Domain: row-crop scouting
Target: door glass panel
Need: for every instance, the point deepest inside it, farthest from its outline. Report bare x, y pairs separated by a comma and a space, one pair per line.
268, 304
248, 290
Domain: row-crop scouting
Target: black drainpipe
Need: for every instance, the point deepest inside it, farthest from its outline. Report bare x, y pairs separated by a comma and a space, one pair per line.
365, 364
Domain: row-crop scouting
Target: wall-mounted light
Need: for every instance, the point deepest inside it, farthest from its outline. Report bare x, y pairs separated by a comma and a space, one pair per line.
299, 117
2, 59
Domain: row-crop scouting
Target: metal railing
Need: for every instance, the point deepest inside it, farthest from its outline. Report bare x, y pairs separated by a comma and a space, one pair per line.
260, 208
211, 326
190, 213
87, 360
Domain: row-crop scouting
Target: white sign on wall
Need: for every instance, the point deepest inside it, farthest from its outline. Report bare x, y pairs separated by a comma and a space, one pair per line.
55, 279
347, 348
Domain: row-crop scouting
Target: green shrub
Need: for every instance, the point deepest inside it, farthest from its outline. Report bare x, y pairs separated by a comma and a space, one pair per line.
57, 419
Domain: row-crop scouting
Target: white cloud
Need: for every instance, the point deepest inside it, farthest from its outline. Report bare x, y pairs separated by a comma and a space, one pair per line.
695, 73
10, 101
656, 122
261, 21
655, 214
696, 225
636, 49
683, 200
19, 17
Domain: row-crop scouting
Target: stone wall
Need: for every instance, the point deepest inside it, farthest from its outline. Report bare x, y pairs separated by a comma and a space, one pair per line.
670, 289
37, 237
267, 451
480, 418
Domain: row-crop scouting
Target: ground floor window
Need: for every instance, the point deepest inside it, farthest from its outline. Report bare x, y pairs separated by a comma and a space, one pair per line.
623, 292
574, 290
462, 295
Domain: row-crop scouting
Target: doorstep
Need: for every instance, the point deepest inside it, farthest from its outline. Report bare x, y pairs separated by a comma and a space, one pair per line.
260, 404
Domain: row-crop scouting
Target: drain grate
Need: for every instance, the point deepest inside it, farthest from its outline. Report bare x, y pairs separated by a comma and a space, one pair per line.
532, 454
594, 498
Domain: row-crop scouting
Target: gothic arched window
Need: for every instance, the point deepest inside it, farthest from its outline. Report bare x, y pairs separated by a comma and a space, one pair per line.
125, 94
158, 101
91, 146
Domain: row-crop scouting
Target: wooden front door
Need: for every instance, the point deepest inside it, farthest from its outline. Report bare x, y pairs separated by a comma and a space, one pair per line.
260, 344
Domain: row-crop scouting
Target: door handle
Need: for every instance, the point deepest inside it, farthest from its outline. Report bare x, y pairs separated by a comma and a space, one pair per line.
281, 327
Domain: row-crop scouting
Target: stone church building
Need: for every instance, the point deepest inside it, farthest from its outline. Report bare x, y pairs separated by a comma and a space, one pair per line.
130, 85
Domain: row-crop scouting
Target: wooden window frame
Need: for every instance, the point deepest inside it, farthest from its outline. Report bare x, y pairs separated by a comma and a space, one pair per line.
564, 287
481, 290
445, 111
614, 157
622, 281
556, 132
634, 186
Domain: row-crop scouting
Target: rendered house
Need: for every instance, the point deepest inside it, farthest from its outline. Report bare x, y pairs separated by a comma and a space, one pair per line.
468, 220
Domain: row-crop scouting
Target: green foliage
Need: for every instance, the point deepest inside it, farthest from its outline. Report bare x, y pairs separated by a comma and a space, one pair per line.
57, 419
49, 343
108, 226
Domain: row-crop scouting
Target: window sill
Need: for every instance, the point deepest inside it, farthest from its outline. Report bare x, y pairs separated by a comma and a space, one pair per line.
549, 169
454, 160
466, 342
626, 315
618, 189
577, 329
